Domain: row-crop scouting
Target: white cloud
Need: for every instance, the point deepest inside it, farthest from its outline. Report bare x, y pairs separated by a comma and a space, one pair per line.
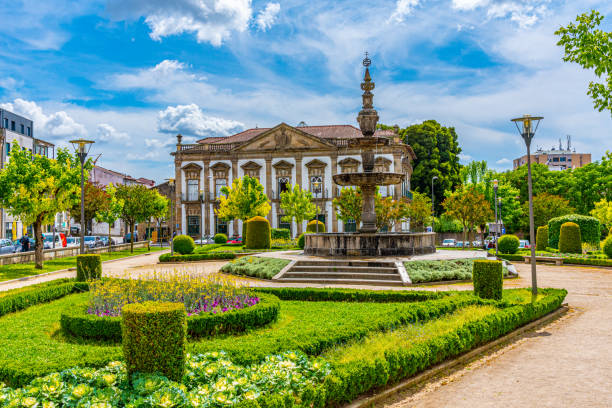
468, 4
212, 21
166, 73
107, 133
464, 157
524, 13
54, 126
503, 161
266, 17
190, 120
403, 8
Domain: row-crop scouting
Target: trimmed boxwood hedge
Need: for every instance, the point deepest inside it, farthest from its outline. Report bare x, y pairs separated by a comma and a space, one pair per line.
203, 256
77, 322
589, 228
607, 247
220, 238
351, 295
312, 226
570, 241
183, 244
22, 298
258, 233
508, 244
154, 337
89, 267
542, 238
280, 233
488, 279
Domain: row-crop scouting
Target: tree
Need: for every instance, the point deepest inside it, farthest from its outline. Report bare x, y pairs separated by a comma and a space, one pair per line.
603, 212
469, 206
545, 207
34, 188
419, 211
297, 204
243, 200
110, 212
348, 205
95, 200
437, 151
135, 201
157, 207
590, 47
390, 211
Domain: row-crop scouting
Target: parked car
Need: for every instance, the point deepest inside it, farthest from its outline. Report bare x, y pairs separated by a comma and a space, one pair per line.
489, 242
92, 241
6, 246
104, 239
73, 241
524, 244
237, 240
207, 239
476, 244
459, 244
60, 240
128, 237
17, 244
449, 242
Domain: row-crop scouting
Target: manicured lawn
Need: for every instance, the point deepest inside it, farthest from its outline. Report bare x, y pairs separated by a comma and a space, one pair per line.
8, 272
258, 267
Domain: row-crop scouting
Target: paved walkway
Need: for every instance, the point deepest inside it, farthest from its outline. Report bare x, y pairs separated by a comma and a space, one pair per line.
564, 364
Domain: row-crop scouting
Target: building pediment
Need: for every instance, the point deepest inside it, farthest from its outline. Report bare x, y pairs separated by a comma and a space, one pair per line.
192, 166
349, 161
284, 137
220, 166
282, 165
316, 163
251, 165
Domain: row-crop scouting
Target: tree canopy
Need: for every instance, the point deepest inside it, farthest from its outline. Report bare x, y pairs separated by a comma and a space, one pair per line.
111, 211
243, 200
469, 206
297, 204
95, 200
348, 205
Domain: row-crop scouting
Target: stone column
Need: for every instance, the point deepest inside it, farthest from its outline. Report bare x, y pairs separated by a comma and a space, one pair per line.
207, 197
236, 231
368, 212
269, 190
397, 194
177, 217
334, 170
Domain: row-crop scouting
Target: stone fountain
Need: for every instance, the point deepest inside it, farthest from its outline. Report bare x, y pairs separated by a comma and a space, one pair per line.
368, 242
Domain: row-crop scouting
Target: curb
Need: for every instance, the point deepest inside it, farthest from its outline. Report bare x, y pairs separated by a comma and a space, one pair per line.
366, 402
60, 271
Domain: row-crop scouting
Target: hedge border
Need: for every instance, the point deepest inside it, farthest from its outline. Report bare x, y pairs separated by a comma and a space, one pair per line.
197, 257
24, 298
351, 295
77, 322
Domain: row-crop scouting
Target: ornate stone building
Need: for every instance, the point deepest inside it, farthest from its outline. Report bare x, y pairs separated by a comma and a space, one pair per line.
279, 157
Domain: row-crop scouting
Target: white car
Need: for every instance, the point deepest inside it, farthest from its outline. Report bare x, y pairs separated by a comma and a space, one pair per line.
449, 242
73, 241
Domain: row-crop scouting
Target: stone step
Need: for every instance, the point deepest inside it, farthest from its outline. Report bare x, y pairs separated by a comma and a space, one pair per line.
342, 268
331, 262
328, 281
343, 275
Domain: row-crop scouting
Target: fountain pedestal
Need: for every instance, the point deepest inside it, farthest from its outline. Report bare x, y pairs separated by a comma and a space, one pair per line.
369, 244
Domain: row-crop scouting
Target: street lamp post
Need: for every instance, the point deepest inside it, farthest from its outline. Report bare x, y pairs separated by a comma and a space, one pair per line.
317, 188
433, 211
82, 147
202, 218
171, 185
495, 185
527, 132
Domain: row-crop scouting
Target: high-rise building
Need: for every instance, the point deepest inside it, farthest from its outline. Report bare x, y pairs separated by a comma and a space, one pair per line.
557, 158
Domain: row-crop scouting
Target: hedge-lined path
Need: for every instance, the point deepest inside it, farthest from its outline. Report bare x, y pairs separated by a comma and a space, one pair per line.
564, 364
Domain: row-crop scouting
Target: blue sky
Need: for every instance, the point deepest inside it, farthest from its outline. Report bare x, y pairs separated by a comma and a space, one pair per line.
130, 74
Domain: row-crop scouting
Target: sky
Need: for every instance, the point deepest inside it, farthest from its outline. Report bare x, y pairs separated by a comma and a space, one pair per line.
131, 74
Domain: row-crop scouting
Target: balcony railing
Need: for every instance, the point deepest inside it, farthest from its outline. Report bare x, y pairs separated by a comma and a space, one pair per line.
197, 147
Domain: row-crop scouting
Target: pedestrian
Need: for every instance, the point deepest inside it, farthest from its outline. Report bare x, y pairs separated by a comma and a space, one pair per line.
25, 243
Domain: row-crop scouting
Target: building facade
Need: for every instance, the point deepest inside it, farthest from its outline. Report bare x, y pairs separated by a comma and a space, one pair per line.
279, 158
557, 159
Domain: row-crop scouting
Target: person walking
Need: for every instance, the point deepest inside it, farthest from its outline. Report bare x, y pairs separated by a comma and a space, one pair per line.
25, 243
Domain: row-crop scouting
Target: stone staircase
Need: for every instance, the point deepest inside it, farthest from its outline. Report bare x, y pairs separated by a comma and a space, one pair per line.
343, 272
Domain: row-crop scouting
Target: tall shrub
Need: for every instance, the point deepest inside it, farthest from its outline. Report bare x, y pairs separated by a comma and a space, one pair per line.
607, 246
258, 233
508, 244
542, 238
589, 228
569, 239
220, 238
154, 337
488, 279
281, 233
312, 226
89, 267
183, 244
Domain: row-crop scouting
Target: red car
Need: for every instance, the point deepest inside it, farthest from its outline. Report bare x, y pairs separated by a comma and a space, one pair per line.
237, 240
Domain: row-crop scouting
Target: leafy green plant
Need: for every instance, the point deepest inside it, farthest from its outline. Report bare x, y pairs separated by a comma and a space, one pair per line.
607, 247
281, 233
589, 228
183, 244
569, 239
220, 238
542, 238
258, 231
258, 267
488, 279
89, 267
508, 244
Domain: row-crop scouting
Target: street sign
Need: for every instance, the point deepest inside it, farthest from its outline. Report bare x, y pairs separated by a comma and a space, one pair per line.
503, 230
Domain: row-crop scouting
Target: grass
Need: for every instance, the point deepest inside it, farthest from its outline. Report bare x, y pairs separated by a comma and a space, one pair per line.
258, 267
15, 271
436, 271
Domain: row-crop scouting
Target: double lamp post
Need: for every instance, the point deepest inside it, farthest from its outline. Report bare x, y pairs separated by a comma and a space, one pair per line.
81, 148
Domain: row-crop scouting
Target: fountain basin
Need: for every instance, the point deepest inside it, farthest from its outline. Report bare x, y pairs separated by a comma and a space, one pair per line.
369, 244
365, 179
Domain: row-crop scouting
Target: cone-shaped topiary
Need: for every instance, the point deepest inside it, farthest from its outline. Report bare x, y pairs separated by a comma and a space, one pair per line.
183, 244
258, 233
542, 238
607, 246
312, 226
570, 241
508, 244
589, 229
220, 238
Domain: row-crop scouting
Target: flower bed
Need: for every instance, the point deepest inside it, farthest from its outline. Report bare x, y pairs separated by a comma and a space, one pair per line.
257, 267
445, 270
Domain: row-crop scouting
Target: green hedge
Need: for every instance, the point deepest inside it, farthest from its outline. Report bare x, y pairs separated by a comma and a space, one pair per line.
220, 239
570, 241
508, 244
587, 261
352, 295
510, 257
22, 298
183, 244
589, 228
154, 336
312, 226
488, 279
77, 322
89, 267
258, 233
364, 373
542, 238
607, 246
281, 233
196, 257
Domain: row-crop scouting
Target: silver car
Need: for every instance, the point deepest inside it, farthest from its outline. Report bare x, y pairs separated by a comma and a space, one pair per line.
6, 246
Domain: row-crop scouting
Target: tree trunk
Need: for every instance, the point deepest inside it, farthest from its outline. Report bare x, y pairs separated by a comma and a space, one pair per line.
464, 232
110, 248
39, 245
132, 238
147, 235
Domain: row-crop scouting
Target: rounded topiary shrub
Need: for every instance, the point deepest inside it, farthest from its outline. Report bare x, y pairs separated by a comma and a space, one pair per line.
570, 241
183, 244
300, 241
154, 336
89, 267
244, 232
607, 246
220, 238
589, 229
258, 233
542, 238
488, 279
312, 226
508, 244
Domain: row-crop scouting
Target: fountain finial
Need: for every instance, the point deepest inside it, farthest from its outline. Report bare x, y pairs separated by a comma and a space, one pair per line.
368, 117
